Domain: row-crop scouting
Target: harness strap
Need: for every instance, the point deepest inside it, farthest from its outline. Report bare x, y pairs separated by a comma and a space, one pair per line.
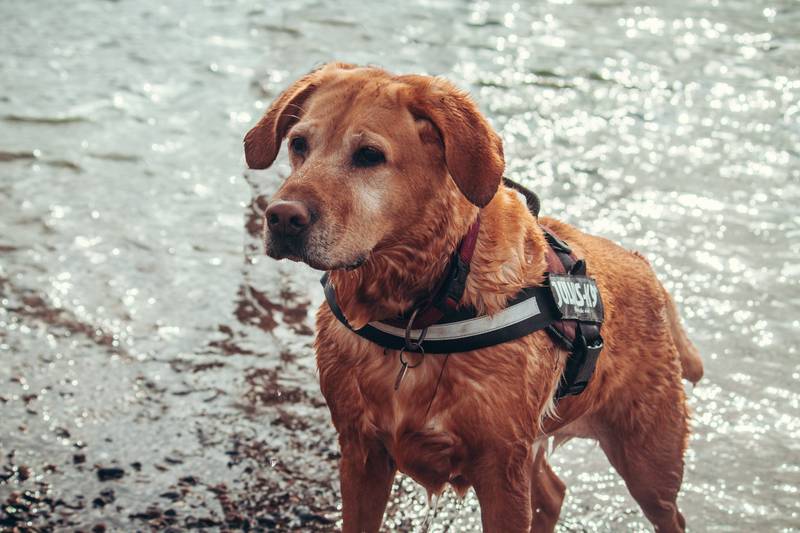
330, 297
582, 339
531, 310
450, 289
530, 197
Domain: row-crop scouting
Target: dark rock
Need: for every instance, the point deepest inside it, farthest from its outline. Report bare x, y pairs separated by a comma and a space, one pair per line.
189, 480
306, 516
266, 520
106, 497
199, 523
150, 514
110, 473
23, 472
171, 495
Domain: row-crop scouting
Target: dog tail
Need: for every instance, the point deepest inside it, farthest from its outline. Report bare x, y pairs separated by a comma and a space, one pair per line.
690, 358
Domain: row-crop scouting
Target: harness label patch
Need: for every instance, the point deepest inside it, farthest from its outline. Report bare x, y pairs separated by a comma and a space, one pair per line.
577, 298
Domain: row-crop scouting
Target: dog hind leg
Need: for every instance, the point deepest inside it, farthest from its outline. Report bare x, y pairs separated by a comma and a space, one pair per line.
649, 457
547, 494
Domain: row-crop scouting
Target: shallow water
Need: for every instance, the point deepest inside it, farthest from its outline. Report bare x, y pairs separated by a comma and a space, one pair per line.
141, 330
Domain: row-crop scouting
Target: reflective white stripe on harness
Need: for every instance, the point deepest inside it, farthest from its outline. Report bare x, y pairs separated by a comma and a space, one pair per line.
474, 326
533, 309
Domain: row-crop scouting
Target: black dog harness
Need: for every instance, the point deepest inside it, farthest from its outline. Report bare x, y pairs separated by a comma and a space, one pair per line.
568, 306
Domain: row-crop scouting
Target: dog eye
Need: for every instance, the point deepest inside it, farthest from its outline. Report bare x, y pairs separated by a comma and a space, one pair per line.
299, 146
368, 157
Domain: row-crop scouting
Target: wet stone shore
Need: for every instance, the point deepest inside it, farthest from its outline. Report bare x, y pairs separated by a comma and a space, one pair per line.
164, 444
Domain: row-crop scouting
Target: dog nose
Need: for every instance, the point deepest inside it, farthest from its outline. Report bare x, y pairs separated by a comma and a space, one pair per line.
287, 217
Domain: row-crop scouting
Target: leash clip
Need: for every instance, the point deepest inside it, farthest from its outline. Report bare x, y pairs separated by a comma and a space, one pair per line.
410, 346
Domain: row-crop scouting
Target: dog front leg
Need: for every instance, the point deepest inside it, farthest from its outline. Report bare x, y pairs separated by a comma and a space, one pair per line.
502, 482
366, 480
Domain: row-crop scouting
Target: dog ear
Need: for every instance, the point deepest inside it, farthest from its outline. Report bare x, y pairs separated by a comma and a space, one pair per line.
473, 151
261, 144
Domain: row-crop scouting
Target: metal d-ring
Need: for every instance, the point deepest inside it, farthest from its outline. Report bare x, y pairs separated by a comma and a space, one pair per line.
410, 346
405, 363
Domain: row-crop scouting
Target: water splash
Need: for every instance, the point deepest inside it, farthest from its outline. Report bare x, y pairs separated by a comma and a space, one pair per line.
430, 513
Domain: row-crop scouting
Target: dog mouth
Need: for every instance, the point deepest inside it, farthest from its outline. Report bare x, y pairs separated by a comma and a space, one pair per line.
357, 263
297, 252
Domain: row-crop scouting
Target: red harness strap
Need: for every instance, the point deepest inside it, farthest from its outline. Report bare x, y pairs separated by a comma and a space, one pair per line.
559, 258
450, 289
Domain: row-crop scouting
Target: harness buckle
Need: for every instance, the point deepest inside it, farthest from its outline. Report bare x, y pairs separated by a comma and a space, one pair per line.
456, 283
585, 356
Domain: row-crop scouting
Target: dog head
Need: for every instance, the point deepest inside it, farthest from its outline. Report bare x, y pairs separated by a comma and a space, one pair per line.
369, 153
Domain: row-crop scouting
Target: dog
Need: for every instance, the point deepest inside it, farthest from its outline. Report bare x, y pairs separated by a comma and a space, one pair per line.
389, 172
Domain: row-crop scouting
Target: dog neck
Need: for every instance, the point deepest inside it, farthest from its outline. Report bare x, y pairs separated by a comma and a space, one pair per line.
401, 272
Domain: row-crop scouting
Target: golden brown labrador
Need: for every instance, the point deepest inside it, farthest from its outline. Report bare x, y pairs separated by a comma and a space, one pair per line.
388, 174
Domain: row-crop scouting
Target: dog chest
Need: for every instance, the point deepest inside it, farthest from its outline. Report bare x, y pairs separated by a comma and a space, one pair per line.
417, 437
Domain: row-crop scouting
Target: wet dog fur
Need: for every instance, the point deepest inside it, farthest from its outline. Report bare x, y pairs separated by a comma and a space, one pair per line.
386, 231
